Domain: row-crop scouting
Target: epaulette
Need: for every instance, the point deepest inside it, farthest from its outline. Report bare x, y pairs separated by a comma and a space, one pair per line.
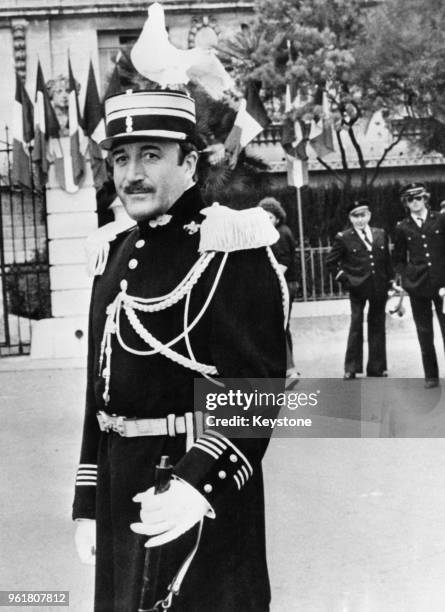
98, 243
227, 230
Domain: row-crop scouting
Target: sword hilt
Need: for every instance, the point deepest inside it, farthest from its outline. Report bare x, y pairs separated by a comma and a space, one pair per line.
163, 472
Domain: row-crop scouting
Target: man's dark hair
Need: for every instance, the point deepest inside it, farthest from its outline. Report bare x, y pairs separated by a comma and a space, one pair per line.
184, 149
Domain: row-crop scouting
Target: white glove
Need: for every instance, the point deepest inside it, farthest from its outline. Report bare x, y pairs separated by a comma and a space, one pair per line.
85, 539
168, 515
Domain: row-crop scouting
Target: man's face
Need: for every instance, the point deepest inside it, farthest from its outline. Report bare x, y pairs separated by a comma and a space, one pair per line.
360, 219
148, 177
416, 203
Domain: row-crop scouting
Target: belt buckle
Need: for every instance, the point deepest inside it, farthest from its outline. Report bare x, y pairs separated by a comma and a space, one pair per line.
105, 422
118, 425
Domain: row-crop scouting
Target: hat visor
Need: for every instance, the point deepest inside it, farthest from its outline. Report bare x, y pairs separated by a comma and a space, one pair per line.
125, 137
359, 209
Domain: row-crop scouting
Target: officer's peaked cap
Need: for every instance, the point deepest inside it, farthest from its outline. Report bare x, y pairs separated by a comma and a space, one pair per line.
141, 115
413, 189
359, 206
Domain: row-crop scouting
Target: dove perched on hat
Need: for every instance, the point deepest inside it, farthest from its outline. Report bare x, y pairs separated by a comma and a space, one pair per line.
154, 56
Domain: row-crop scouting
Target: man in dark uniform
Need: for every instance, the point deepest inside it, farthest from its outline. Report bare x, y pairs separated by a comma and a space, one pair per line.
189, 292
361, 262
419, 258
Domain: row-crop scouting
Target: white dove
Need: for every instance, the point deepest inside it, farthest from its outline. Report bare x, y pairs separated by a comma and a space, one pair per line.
157, 59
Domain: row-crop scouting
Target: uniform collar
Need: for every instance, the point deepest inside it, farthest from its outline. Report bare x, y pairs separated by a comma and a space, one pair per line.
186, 208
367, 229
424, 216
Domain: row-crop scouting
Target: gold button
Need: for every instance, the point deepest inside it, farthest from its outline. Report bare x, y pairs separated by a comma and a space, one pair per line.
208, 488
233, 458
124, 285
140, 243
429, 263
222, 474
132, 264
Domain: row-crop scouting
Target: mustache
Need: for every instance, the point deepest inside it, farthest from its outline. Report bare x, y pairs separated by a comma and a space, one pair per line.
138, 187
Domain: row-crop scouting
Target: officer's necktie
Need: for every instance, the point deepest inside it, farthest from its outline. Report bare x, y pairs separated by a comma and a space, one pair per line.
366, 239
419, 221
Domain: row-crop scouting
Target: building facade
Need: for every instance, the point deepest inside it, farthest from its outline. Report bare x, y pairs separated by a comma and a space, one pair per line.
85, 30
95, 30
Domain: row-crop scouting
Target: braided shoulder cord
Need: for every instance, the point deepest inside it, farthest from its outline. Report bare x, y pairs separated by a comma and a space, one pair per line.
174, 356
283, 284
130, 304
185, 286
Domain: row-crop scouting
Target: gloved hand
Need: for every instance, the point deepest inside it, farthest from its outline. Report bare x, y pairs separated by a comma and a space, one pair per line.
85, 539
170, 514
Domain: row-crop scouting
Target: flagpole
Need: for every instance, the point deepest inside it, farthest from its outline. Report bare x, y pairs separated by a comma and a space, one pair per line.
301, 240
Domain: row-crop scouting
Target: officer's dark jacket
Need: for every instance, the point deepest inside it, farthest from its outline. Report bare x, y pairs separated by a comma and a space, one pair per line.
352, 263
241, 334
419, 254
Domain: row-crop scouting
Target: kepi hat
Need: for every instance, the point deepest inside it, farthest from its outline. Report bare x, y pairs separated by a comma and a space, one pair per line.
359, 206
138, 115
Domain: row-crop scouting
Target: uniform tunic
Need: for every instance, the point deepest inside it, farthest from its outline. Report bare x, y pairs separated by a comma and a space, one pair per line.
242, 335
419, 257
367, 273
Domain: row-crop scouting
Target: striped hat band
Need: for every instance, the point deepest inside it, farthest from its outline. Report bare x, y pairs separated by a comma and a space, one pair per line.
149, 114
414, 191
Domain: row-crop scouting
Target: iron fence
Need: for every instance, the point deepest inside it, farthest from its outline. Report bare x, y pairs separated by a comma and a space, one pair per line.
24, 265
320, 284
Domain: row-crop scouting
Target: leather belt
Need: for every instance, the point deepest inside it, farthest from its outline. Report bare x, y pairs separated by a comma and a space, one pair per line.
190, 424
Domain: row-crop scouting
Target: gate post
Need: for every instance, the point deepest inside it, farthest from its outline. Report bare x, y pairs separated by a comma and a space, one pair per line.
71, 217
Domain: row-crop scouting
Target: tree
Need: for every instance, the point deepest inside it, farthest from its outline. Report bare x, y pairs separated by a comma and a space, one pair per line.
324, 43
401, 63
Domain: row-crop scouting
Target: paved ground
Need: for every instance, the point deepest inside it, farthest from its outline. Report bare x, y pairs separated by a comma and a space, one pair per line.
354, 525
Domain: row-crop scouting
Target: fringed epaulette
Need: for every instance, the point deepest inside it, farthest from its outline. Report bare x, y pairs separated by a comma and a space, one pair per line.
98, 243
228, 230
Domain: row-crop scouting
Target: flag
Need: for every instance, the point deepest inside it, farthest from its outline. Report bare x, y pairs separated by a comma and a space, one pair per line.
294, 140
22, 135
69, 171
114, 84
320, 135
297, 171
294, 137
250, 120
94, 127
46, 126
292, 97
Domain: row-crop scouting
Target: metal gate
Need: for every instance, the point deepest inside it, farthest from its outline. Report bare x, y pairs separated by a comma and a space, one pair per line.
24, 266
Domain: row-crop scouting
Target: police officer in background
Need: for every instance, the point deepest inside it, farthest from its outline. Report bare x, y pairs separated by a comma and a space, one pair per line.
361, 262
189, 292
419, 258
